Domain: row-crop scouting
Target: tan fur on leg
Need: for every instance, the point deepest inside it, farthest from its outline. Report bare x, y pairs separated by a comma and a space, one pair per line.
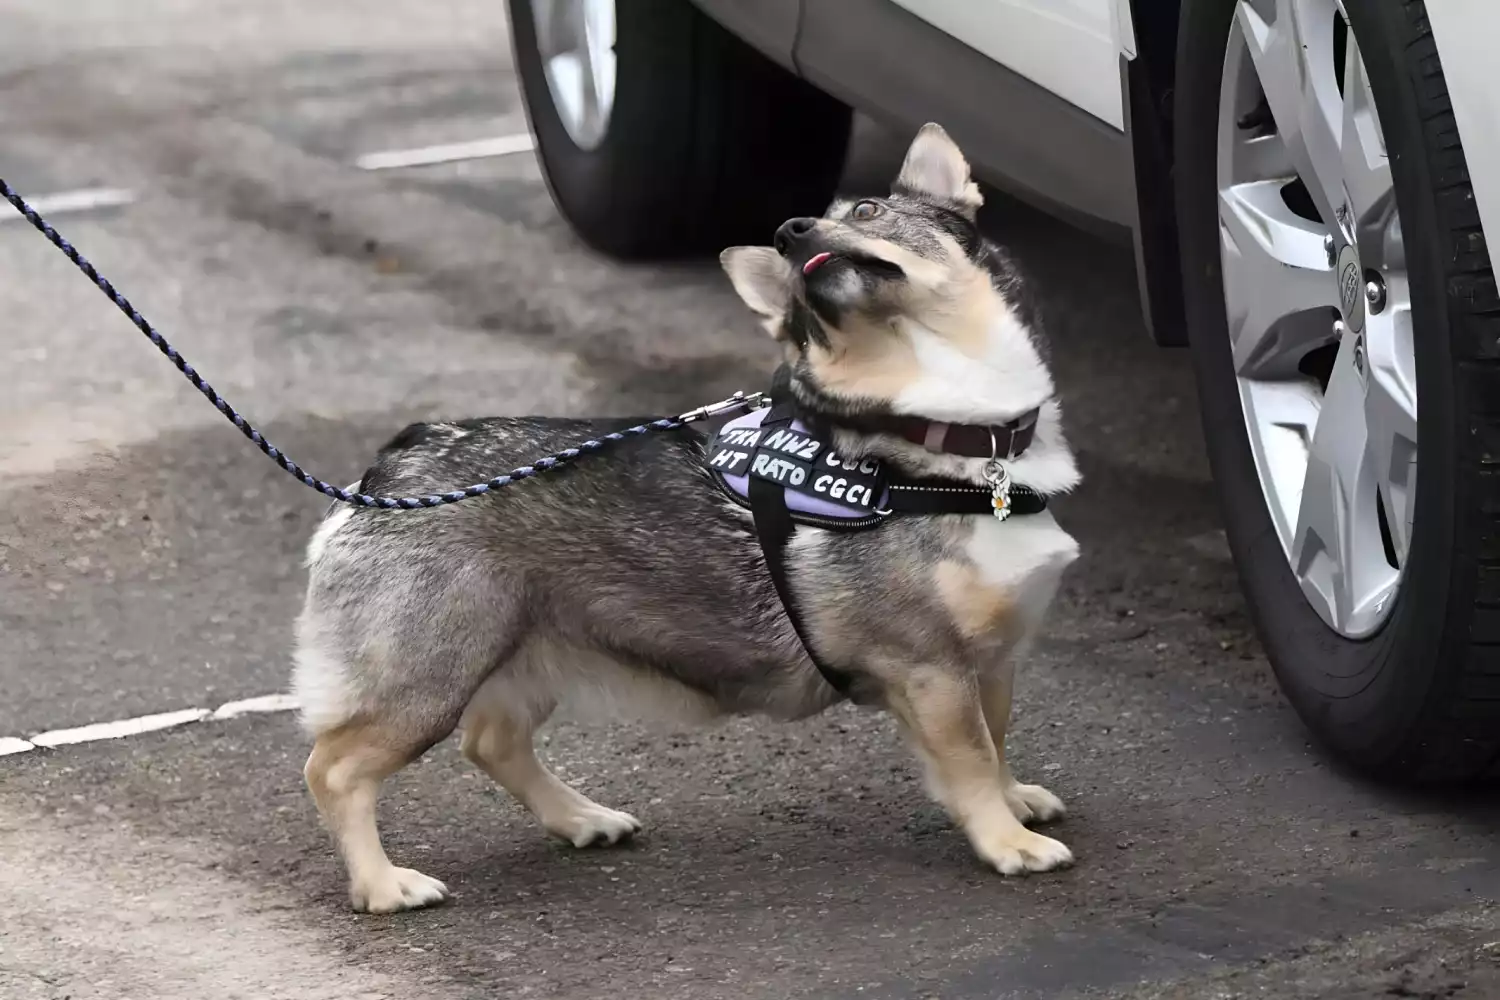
501, 745
1028, 802
344, 772
941, 713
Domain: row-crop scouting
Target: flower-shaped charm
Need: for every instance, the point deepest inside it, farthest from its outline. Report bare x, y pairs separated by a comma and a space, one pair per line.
999, 479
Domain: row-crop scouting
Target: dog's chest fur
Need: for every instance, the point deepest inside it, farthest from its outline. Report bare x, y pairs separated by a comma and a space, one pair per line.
628, 582
956, 590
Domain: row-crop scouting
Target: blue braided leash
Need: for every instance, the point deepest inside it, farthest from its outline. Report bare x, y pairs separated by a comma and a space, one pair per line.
739, 401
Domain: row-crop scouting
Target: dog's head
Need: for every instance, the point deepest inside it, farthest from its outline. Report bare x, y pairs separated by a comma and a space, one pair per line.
890, 303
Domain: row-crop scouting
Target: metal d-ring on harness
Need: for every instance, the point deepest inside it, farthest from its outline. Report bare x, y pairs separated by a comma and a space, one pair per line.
998, 476
739, 401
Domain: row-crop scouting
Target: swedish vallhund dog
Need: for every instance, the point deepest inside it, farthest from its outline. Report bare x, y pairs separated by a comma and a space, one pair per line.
603, 585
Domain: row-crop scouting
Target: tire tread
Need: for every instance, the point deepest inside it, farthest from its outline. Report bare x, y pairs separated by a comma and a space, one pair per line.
1464, 742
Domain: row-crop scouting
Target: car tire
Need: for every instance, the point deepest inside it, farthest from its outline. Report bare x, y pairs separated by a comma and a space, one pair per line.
708, 142
1419, 700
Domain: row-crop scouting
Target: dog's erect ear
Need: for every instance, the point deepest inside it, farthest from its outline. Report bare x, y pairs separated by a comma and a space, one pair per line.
935, 168
761, 276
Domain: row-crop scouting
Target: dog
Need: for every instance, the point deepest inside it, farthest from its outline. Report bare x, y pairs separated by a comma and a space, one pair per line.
629, 583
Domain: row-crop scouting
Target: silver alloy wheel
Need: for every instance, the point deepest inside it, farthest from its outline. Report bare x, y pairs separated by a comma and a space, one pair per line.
1319, 310
576, 41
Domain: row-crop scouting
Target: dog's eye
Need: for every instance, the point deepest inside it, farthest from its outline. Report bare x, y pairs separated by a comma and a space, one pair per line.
865, 210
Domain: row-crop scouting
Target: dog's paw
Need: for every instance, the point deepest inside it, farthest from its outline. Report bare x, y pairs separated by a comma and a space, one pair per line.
396, 889
1034, 804
594, 825
1020, 852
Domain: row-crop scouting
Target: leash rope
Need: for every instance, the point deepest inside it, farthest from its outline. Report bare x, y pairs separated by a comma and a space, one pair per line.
738, 401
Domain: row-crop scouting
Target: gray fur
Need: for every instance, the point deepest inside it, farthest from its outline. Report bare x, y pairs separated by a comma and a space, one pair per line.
609, 554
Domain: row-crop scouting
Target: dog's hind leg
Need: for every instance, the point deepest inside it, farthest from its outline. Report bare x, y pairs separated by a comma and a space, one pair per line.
498, 729
1028, 802
941, 712
344, 772
379, 681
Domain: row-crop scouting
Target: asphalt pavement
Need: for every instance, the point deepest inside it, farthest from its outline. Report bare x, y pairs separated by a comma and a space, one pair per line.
150, 561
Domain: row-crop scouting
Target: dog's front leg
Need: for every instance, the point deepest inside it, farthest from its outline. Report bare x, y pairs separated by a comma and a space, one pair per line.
941, 711
1028, 802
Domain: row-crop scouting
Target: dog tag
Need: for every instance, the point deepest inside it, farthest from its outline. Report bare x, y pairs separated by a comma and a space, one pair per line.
998, 477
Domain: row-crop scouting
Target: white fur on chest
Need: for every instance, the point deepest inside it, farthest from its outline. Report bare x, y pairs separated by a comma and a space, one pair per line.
1008, 576
1020, 551
992, 381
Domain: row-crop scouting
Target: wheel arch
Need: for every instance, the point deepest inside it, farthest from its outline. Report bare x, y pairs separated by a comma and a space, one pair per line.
1150, 80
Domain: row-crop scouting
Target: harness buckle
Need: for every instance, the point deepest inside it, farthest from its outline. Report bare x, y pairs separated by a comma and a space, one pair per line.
739, 401
998, 476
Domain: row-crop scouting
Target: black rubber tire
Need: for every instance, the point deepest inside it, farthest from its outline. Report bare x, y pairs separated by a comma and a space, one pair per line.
1420, 700
709, 143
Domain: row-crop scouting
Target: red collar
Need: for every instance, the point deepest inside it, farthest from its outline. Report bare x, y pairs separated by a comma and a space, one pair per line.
1007, 440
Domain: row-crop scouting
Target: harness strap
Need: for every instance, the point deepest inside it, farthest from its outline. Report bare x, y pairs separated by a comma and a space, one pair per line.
955, 496
775, 522
773, 529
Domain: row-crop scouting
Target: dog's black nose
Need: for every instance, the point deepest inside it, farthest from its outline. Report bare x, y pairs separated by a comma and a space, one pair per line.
791, 233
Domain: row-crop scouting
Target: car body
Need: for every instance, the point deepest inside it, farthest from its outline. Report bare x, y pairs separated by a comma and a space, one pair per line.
1081, 88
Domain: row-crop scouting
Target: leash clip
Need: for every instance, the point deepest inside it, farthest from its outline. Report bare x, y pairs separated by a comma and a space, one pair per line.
739, 401
998, 476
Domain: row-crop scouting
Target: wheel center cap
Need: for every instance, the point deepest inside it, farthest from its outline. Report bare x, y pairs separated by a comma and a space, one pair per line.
1351, 288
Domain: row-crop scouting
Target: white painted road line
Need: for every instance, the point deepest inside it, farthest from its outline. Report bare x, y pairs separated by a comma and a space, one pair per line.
122, 728
265, 703
81, 200
426, 156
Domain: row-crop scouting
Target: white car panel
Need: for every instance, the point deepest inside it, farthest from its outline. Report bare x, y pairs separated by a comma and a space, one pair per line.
1070, 47
1124, 26
1466, 32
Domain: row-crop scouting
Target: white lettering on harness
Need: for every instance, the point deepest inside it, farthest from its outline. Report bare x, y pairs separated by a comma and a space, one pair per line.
841, 489
728, 459
778, 469
745, 437
786, 441
868, 466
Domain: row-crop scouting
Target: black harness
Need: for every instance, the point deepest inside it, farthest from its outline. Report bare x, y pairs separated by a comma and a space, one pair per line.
786, 456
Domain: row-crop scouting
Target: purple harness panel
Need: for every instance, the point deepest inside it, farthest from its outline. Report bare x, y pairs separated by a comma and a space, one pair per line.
814, 480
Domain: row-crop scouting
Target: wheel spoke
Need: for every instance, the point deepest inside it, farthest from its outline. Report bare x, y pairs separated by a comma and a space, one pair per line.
1366, 166
1291, 46
553, 33
1280, 418
599, 36
576, 40
1260, 158
588, 87
1337, 552
1278, 286
1391, 415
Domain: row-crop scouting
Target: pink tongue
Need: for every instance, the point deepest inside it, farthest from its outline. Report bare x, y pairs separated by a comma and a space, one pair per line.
815, 261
